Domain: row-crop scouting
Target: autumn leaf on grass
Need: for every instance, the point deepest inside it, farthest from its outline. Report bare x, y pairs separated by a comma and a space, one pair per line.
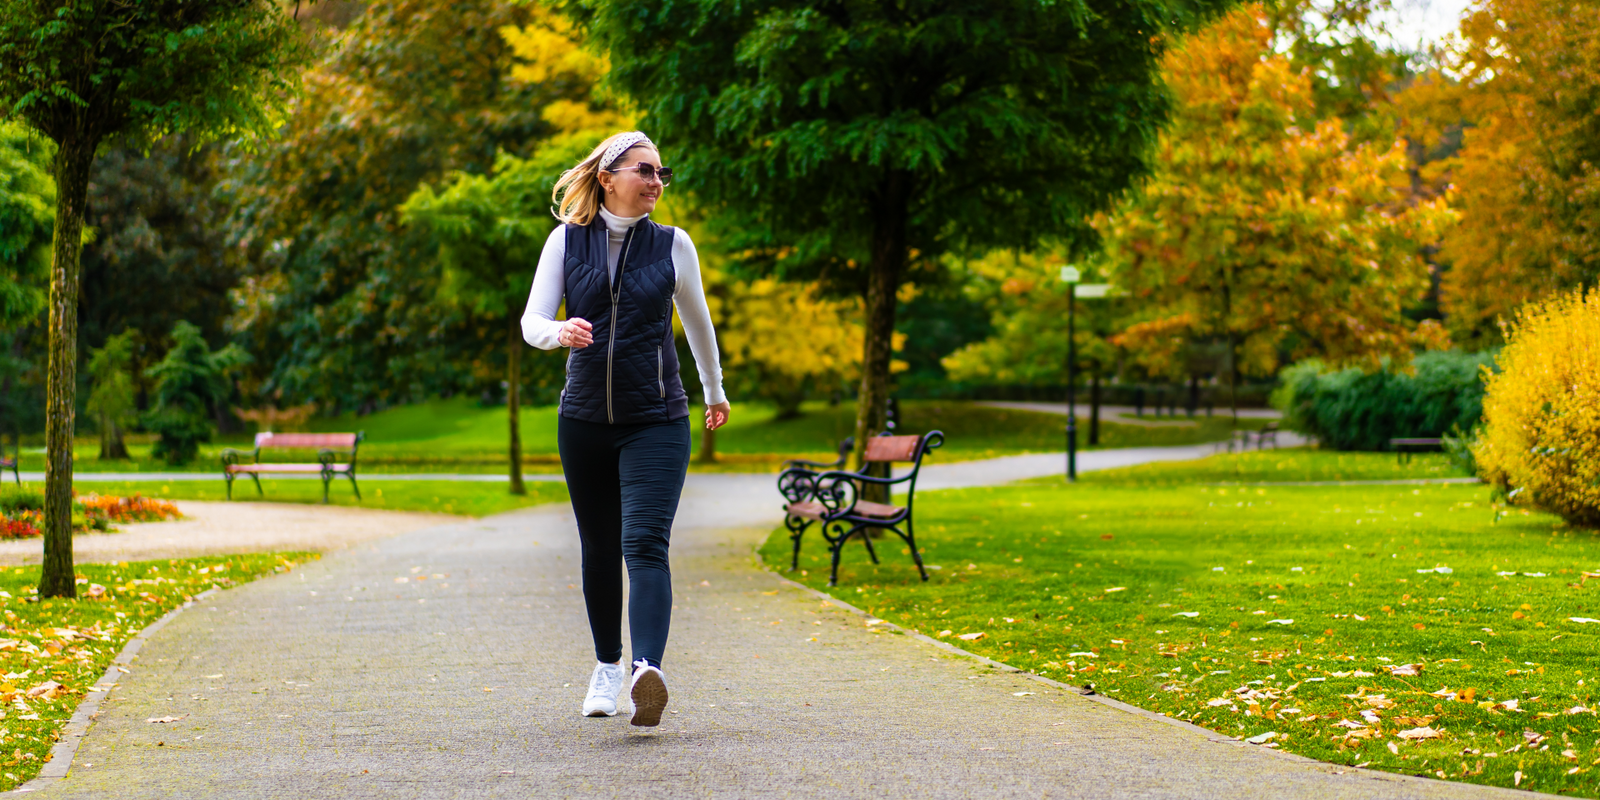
972, 637
1416, 721
1405, 670
1420, 733
47, 690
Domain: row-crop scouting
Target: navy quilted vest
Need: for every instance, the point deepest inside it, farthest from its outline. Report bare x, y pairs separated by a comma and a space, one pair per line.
630, 374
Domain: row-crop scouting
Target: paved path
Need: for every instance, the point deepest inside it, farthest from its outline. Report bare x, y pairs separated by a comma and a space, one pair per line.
451, 662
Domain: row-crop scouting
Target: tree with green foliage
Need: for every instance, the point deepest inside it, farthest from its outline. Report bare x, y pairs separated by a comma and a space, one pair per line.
859, 140
489, 228
346, 298
191, 382
85, 72
112, 400
27, 218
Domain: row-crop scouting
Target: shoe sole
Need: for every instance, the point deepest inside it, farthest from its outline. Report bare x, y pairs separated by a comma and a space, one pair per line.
599, 713
649, 699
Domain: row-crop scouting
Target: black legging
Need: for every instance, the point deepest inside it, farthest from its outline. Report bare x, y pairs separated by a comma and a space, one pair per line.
625, 481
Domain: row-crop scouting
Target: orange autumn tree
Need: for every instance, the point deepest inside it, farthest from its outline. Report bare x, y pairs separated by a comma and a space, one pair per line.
1263, 228
1523, 79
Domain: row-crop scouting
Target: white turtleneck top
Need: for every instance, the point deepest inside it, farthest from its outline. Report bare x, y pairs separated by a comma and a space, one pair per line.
540, 327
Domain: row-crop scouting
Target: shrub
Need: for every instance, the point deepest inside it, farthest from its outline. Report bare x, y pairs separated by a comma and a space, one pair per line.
17, 498
1353, 409
1541, 437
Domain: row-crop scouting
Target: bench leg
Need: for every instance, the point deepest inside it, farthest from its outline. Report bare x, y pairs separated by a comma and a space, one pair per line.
257, 479
326, 477
227, 477
353, 486
866, 539
916, 555
797, 528
836, 548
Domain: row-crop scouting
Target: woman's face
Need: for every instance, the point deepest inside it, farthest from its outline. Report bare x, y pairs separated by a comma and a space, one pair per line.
628, 195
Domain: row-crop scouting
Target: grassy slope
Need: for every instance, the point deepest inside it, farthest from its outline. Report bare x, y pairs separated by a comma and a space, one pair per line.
1085, 583
36, 650
459, 435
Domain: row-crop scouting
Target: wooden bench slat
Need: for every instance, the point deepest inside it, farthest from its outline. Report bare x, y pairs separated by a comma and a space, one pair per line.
867, 508
286, 467
892, 448
808, 509
305, 440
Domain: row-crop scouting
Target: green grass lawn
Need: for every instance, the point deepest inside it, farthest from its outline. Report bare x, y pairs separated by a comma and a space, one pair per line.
467, 498
1335, 617
458, 435
72, 642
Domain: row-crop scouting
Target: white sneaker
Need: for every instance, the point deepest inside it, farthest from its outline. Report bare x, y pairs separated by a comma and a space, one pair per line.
604, 685
649, 694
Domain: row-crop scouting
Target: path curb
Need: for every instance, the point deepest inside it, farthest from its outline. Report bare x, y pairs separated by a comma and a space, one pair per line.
1090, 694
60, 761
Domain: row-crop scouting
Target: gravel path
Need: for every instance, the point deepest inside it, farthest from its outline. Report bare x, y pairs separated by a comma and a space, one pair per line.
451, 662
221, 528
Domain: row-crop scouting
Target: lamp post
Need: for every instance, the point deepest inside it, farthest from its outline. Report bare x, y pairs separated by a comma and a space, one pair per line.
1071, 276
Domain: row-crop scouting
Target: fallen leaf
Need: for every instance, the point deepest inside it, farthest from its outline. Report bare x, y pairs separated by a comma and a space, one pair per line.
1344, 723
1393, 748
165, 719
1280, 622
48, 690
972, 637
1117, 589
1582, 620
1021, 694
1189, 614
944, 633
1406, 670
1263, 738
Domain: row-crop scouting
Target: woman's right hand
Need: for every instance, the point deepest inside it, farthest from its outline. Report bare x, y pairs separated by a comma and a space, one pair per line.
575, 333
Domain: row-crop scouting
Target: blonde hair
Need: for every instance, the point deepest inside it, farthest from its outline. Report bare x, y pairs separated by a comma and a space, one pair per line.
577, 194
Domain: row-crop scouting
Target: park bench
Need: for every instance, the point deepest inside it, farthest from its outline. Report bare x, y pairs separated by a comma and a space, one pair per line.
833, 499
1404, 447
797, 477
11, 464
329, 447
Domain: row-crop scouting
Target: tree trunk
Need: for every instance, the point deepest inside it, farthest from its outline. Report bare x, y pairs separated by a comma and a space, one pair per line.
883, 284
514, 398
1094, 409
74, 159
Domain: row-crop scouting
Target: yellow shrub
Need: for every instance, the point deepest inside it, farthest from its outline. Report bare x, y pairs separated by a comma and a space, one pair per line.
1541, 413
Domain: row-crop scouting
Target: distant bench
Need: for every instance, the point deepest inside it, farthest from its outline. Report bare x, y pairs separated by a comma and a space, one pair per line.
329, 447
1403, 448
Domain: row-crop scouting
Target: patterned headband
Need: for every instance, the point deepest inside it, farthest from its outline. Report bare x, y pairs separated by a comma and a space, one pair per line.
622, 145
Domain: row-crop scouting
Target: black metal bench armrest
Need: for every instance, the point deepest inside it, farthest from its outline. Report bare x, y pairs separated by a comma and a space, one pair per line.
232, 456
327, 457
802, 463
856, 476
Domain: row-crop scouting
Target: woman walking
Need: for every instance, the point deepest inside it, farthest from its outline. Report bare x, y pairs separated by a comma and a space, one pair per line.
623, 430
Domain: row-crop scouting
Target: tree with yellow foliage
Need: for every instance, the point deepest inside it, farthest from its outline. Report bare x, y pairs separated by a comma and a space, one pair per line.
1524, 79
1262, 227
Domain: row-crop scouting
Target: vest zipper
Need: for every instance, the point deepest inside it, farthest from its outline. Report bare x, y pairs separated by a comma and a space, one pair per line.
661, 381
611, 341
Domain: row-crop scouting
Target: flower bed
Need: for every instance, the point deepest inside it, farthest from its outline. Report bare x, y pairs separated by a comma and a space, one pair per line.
22, 512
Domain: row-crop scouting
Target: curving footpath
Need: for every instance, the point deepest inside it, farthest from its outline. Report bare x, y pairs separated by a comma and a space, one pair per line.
451, 662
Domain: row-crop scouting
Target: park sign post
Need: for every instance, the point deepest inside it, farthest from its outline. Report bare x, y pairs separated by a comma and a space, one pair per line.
1070, 275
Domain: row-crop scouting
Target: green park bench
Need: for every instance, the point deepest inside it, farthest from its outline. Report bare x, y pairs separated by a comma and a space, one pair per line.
11, 464
1404, 447
833, 498
329, 446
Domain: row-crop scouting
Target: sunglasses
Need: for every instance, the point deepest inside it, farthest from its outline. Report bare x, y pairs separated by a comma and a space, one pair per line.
648, 173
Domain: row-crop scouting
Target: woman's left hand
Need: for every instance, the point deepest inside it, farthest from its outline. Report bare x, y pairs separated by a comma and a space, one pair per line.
717, 415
